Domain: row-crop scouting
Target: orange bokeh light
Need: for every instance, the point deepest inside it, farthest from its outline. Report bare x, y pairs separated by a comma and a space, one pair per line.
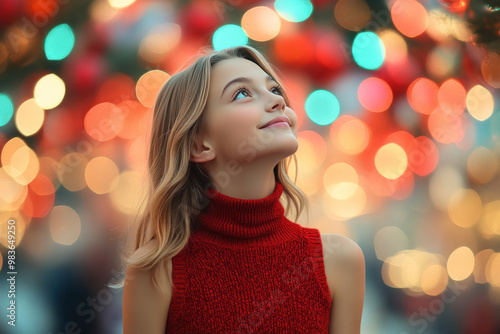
148, 86
423, 156
444, 127
135, 119
375, 94
452, 96
422, 95
41, 197
261, 23
409, 17
104, 121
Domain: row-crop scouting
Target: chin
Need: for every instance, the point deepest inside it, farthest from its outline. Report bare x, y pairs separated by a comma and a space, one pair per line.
287, 147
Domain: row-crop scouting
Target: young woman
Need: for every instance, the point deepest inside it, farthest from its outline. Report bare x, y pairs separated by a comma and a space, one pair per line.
214, 252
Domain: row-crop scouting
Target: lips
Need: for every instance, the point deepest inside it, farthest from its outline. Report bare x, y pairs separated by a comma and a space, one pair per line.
279, 119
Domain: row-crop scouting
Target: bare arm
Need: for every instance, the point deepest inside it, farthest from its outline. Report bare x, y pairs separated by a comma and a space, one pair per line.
346, 266
145, 308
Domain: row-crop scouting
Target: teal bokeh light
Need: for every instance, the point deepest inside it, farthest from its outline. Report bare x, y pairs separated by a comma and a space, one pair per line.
6, 109
294, 10
368, 50
59, 42
229, 35
322, 107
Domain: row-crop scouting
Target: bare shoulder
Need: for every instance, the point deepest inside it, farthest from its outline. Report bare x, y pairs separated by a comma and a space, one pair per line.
343, 258
145, 307
341, 248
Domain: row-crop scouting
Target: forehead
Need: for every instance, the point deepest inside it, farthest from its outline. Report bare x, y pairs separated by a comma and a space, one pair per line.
229, 69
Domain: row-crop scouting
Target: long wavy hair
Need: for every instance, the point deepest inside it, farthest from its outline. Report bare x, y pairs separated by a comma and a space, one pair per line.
176, 187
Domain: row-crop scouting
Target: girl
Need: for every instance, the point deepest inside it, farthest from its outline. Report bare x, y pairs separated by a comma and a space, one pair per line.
214, 252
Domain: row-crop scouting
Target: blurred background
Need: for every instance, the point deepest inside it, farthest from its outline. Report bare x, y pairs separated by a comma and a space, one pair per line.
399, 146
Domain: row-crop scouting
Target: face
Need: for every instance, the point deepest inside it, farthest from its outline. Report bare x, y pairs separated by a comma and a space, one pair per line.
241, 101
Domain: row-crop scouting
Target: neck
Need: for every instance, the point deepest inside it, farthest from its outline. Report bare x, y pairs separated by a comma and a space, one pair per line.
237, 222
249, 181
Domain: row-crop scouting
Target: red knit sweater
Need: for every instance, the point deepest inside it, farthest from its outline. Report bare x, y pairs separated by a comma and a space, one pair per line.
248, 269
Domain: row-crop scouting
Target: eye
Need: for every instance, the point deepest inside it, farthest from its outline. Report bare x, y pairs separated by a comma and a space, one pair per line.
241, 93
277, 90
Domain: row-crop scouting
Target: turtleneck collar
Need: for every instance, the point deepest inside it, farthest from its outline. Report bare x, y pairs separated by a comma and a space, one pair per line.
230, 220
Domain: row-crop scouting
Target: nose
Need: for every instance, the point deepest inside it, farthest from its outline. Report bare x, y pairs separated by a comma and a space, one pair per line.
276, 103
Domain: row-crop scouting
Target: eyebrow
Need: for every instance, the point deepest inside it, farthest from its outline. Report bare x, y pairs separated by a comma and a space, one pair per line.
244, 79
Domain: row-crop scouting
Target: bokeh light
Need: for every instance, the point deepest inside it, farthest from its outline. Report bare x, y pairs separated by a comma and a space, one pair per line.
49, 91
120, 3
261, 23
126, 195
488, 225
352, 15
490, 69
480, 103
160, 42
59, 42
409, 17
452, 96
340, 180
416, 270
104, 121
375, 94
350, 134
41, 197
464, 207
434, 279
65, 225
422, 95
6, 109
395, 46
311, 155
423, 155
312, 151
391, 161
12, 194
148, 86
322, 107
444, 182
442, 61
482, 165
294, 10
480, 261
368, 50
29, 117
229, 35
445, 127
101, 175
71, 171
460, 263
493, 269
350, 207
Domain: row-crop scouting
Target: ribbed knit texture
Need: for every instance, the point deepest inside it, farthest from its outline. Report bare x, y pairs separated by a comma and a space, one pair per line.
248, 269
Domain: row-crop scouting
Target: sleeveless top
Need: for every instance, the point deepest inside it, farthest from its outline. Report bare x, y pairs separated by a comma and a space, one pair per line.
248, 269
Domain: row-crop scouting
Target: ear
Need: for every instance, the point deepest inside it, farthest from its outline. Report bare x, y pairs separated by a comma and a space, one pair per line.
202, 151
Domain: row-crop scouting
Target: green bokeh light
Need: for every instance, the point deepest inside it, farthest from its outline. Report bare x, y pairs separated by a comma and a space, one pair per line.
322, 107
59, 42
368, 50
294, 10
6, 109
229, 35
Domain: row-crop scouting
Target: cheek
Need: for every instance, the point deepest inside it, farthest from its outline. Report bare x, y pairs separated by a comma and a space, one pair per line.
236, 126
293, 119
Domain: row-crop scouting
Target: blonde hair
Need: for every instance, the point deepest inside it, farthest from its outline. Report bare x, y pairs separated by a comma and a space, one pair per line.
177, 187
